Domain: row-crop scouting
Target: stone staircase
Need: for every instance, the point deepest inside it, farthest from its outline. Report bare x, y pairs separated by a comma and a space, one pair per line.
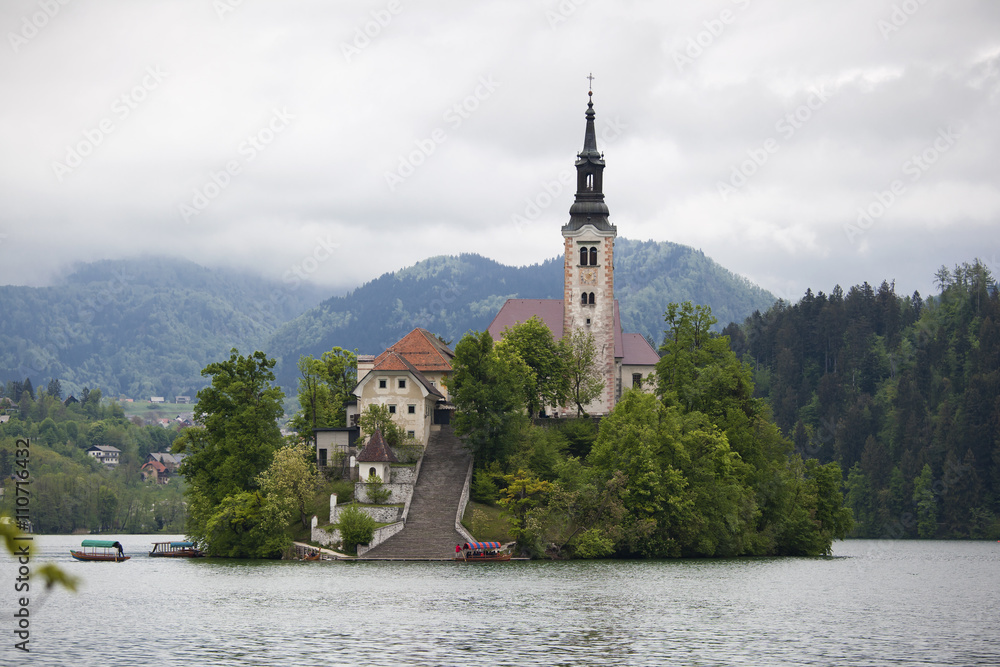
430, 525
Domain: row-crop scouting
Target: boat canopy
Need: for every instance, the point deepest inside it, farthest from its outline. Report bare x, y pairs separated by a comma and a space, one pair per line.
482, 546
181, 545
107, 544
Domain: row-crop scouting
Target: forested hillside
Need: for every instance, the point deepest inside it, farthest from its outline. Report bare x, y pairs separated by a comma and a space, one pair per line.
453, 295
903, 392
70, 490
147, 327
139, 327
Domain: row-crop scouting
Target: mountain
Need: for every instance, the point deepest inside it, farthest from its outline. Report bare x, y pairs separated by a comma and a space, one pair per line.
139, 327
147, 326
450, 296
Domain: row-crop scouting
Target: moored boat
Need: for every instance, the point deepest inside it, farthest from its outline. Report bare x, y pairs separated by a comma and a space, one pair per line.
481, 552
175, 550
110, 550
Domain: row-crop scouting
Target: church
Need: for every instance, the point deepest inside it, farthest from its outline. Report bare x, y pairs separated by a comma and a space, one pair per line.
410, 377
588, 304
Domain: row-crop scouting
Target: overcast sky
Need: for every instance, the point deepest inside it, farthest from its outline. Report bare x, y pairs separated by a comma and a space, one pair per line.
798, 144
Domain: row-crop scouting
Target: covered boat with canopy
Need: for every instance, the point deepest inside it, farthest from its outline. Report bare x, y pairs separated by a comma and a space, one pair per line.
110, 550
175, 550
481, 552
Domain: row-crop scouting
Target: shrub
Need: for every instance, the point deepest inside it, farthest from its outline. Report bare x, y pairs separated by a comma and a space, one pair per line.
355, 527
593, 543
484, 489
376, 491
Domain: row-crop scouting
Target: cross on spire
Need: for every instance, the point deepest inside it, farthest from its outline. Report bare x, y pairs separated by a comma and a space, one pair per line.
590, 78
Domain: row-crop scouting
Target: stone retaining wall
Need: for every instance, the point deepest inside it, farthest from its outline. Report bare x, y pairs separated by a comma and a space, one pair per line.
401, 492
398, 493
380, 536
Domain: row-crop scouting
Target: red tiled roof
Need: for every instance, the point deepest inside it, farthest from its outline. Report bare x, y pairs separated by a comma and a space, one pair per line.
422, 349
155, 465
377, 451
638, 351
393, 361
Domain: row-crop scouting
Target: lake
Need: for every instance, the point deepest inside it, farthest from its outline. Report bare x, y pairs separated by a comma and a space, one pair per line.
873, 603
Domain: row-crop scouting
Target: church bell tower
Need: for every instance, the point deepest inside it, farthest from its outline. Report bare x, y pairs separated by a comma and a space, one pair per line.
589, 276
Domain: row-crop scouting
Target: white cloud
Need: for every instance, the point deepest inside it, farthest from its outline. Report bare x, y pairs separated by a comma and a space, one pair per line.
357, 117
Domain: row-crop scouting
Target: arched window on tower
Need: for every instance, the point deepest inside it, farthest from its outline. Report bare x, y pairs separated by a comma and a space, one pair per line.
583, 257
593, 256
590, 182
591, 298
583, 299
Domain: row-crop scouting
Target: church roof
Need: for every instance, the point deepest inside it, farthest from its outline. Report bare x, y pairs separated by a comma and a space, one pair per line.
588, 205
423, 350
516, 311
377, 451
549, 311
637, 351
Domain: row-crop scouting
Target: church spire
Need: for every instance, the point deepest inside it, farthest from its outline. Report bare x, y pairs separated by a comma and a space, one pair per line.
588, 207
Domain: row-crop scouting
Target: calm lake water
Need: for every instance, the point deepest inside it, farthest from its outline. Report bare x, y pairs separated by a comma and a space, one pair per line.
872, 603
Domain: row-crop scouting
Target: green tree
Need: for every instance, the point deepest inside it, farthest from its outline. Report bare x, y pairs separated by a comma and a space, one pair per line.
927, 508
375, 490
488, 393
247, 524
340, 371
377, 417
524, 492
315, 404
585, 379
92, 403
292, 478
325, 386
548, 382
54, 389
226, 456
355, 527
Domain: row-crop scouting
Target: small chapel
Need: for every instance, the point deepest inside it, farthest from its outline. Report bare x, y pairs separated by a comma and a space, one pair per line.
588, 304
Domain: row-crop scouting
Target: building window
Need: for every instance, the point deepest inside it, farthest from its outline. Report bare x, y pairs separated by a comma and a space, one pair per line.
590, 181
588, 321
411, 409
372, 472
322, 457
593, 256
402, 383
583, 257
637, 380
583, 299
591, 298
392, 409
411, 434
381, 384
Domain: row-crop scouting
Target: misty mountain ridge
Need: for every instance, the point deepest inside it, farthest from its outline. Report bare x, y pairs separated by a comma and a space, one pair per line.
147, 326
450, 296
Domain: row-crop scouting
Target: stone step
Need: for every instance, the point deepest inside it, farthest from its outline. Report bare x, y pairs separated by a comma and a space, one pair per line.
430, 526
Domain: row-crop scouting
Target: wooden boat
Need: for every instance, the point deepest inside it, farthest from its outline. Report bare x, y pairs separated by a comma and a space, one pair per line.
481, 552
312, 556
110, 550
175, 550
